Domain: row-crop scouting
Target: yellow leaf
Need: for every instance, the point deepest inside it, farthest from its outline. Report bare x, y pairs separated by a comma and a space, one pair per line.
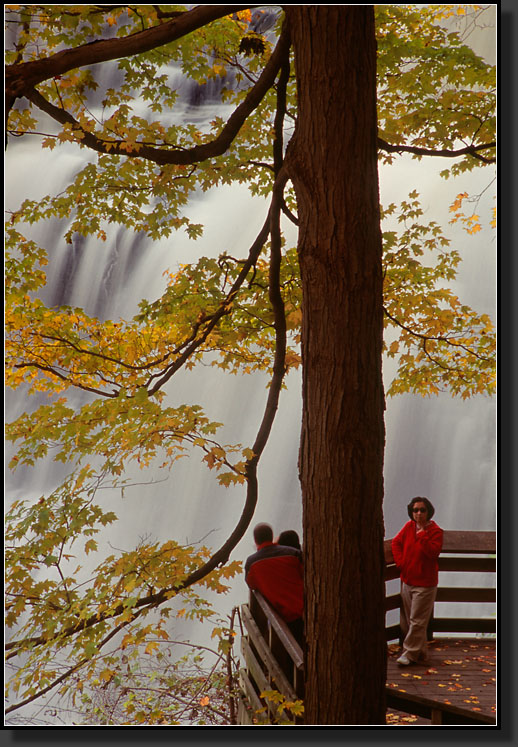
128, 638
152, 645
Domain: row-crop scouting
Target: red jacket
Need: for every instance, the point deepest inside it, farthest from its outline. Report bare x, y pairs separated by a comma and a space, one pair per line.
416, 555
277, 572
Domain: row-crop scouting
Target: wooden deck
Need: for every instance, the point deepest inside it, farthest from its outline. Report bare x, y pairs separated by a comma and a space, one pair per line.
459, 673
456, 686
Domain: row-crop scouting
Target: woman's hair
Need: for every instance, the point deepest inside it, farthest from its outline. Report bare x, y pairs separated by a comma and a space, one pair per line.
419, 499
289, 538
263, 533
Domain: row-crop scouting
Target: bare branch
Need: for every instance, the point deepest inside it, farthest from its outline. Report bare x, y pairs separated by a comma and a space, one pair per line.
469, 150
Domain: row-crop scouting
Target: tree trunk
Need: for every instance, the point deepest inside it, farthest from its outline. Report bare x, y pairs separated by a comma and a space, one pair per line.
333, 165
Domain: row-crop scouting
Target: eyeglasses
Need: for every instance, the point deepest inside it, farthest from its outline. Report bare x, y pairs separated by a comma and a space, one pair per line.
419, 510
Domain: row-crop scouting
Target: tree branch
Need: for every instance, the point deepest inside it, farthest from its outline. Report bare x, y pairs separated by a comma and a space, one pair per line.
187, 156
21, 78
438, 338
471, 150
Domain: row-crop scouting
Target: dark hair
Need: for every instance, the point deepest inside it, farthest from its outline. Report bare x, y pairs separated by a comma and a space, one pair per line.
289, 538
263, 533
418, 499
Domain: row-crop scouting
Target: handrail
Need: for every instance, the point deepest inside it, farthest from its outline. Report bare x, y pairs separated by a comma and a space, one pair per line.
457, 542
281, 629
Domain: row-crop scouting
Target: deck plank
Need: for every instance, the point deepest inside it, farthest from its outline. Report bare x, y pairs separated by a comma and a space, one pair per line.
459, 671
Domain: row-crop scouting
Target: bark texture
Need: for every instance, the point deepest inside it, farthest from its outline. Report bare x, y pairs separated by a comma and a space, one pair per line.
333, 165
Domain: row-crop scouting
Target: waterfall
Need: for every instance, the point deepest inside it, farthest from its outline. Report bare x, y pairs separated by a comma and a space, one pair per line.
439, 447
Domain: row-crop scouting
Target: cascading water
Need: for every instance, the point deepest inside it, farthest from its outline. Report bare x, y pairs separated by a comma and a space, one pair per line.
441, 447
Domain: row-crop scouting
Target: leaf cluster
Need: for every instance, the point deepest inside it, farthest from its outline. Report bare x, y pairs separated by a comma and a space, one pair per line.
440, 343
434, 91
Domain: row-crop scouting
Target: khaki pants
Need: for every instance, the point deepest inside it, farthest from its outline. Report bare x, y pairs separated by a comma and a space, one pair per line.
415, 613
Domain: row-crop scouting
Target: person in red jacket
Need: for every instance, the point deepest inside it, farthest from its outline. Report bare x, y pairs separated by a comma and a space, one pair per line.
416, 550
276, 571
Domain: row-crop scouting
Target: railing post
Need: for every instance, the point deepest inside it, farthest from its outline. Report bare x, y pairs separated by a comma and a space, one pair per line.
430, 626
401, 614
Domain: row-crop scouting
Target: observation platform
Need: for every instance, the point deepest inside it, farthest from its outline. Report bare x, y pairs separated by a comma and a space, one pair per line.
456, 686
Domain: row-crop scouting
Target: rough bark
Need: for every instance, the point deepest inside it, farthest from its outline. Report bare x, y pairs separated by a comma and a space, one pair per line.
333, 166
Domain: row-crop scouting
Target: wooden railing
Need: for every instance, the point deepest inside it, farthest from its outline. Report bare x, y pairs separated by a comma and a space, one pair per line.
273, 660
458, 549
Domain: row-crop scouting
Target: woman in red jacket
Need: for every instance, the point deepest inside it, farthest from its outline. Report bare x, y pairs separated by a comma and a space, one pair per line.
416, 550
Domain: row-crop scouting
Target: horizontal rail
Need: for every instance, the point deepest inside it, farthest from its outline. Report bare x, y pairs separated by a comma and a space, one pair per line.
463, 625
476, 543
393, 602
454, 563
392, 632
470, 565
391, 572
463, 594
281, 629
450, 594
